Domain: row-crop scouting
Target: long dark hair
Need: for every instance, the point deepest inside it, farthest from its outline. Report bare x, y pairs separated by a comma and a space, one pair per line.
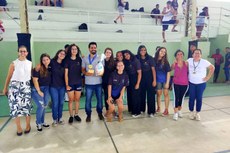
43, 70
139, 51
132, 56
69, 51
111, 59
58, 52
164, 60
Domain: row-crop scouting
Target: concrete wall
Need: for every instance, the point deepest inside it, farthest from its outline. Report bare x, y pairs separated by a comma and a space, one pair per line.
221, 42
9, 50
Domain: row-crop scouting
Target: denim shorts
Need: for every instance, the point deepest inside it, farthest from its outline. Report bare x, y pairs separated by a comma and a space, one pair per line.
160, 85
76, 87
165, 24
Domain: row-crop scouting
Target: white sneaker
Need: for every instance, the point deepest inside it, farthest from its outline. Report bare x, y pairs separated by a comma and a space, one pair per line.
136, 116
61, 121
192, 115
175, 116
54, 124
180, 114
198, 117
151, 115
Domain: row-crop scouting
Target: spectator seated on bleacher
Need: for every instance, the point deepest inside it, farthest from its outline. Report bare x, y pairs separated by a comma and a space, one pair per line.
154, 12
2, 30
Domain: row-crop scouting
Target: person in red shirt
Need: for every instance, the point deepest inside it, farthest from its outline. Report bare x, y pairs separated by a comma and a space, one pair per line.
218, 58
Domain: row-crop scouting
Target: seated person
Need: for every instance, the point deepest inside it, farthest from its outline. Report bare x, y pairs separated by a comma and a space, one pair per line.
156, 11
118, 80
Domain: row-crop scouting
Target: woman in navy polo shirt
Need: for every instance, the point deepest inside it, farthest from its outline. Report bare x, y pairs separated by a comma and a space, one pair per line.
57, 87
40, 91
73, 80
133, 68
148, 80
109, 68
118, 80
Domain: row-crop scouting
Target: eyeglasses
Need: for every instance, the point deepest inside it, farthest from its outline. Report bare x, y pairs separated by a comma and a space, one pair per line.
22, 51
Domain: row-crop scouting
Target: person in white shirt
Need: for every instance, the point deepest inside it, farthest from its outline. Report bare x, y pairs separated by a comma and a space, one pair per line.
19, 93
168, 18
198, 77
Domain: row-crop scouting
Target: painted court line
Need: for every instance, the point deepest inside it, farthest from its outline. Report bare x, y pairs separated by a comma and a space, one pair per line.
4, 125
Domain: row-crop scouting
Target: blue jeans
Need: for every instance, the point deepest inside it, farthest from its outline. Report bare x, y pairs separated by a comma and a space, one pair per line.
57, 97
226, 71
89, 93
195, 93
41, 103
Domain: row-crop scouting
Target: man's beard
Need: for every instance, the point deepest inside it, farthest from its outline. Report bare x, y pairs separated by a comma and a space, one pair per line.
93, 52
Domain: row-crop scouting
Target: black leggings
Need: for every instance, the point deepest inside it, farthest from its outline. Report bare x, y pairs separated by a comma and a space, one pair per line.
179, 92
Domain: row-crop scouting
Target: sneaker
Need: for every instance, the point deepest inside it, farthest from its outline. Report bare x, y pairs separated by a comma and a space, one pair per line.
61, 121
77, 118
39, 127
88, 119
70, 119
136, 115
54, 124
45, 125
180, 114
115, 21
192, 115
151, 115
175, 116
101, 117
165, 113
197, 116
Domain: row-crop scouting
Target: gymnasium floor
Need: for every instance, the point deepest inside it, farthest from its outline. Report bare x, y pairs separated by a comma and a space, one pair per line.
141, 135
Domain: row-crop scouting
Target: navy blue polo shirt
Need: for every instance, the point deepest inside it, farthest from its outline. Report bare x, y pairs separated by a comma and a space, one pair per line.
42, 80
57, 74
132, 66
118, 81
74, 70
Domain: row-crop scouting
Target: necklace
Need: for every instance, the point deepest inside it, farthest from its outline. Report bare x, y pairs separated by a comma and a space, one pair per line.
194, 67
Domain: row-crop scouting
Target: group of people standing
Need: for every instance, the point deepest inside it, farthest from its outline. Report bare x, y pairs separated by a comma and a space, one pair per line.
142, 75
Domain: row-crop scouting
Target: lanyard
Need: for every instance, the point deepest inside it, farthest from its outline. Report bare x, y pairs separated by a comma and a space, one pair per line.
194, 69
91, 61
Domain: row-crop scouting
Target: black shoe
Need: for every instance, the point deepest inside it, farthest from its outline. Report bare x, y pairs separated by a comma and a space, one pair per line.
39, 128
19, 133
101, 117
70, 120
77, 118
27, 131
88, 119
115, 21
45, 125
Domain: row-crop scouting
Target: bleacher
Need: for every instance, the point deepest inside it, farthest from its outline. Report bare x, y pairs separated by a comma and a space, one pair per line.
61, 24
